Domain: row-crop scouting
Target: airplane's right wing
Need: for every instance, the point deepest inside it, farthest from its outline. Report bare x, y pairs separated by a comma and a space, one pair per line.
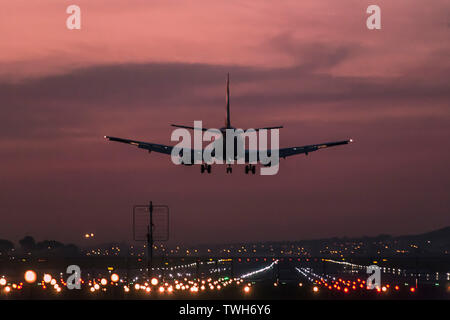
287, 152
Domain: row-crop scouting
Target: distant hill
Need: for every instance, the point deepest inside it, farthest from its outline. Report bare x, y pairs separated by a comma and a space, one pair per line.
440, 235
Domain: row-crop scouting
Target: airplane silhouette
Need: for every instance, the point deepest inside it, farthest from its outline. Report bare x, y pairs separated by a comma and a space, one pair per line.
250, 166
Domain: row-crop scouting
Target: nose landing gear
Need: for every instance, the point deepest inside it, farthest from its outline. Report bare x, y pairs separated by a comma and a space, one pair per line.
229, 169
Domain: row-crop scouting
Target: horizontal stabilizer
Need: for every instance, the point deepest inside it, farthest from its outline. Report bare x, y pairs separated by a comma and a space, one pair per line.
265, 128
193, 128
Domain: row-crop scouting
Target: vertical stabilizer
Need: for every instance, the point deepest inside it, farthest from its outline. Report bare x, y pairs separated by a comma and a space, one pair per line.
228, 122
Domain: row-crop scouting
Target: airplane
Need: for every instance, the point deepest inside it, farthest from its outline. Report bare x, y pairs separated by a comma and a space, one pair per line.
250, 167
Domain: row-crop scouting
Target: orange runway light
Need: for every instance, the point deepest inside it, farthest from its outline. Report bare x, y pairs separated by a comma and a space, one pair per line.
30, 276
154, 281
114, 277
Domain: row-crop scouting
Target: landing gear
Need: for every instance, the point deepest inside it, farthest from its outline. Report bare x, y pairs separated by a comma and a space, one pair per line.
249, 168
205, 167
229, 169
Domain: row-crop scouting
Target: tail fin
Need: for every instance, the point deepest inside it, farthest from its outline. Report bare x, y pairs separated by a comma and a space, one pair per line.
228, 122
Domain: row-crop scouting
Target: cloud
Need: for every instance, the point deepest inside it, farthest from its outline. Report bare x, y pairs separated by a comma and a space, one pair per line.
64, 105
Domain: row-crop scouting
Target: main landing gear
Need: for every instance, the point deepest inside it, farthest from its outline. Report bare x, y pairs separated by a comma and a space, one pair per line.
205, 167
249, 168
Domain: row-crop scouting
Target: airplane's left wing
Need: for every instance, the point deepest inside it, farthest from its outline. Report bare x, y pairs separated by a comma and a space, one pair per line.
287, 152
144, 145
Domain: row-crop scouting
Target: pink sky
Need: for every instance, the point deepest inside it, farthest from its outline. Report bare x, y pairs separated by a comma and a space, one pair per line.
137, 66
248, 33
